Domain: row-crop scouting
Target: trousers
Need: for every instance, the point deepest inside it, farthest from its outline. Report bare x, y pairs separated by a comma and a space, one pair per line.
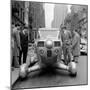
24, 52
67, 52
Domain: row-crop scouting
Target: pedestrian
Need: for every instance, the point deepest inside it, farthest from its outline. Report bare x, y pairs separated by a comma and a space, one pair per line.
17, 46
75, 45
66, 45
24, 43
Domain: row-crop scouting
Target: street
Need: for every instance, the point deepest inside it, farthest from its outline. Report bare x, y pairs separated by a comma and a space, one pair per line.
55, 78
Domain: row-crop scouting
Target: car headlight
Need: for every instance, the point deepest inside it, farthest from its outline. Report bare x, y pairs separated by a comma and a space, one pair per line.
49, 44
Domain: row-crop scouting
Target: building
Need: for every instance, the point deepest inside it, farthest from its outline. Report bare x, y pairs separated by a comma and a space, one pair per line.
36, 18
28, 13
36, 14
17, 12
60, 12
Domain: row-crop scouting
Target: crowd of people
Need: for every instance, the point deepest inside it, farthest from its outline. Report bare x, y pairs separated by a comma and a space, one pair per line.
19, 44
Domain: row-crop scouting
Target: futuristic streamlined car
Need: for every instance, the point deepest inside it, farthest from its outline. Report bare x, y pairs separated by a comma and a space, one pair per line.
48, 52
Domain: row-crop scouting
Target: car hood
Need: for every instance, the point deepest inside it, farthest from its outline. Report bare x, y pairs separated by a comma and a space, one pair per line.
49, 38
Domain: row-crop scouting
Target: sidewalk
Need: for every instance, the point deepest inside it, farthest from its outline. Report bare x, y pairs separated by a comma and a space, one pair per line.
15, 72
15, 75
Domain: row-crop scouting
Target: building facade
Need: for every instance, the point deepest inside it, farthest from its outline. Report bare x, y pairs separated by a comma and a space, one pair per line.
17, 12
36, 18
30, 14
60, 12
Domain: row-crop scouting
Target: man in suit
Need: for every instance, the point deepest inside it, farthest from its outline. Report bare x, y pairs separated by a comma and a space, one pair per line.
66, 45
24, 43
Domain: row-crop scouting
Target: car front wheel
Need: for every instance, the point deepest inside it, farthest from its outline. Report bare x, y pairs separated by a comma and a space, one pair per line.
23, 70
72, 69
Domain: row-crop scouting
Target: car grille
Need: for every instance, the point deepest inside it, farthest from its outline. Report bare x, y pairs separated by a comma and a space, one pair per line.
49, 53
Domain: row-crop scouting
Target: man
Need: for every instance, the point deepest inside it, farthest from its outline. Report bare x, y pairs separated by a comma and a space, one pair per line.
17, 46
66, 45
75, 45
24, 43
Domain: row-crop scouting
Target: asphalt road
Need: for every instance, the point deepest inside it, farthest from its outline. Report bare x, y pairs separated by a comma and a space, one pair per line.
55, 78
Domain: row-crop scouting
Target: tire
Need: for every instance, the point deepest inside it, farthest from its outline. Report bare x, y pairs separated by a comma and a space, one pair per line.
23, 71
72, 69
73, 74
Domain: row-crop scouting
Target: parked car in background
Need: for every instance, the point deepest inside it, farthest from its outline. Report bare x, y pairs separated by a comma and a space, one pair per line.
83, 46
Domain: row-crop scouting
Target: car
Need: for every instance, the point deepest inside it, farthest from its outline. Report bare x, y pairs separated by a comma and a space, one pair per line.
48, 50
48, 45
83, 46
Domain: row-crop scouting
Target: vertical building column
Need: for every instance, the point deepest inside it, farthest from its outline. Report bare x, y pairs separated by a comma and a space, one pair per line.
26, 18
26, 13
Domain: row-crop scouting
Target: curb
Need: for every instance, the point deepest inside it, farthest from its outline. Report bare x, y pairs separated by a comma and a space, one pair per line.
14, 76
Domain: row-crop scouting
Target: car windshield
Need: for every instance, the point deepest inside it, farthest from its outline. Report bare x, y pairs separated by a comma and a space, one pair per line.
48, 33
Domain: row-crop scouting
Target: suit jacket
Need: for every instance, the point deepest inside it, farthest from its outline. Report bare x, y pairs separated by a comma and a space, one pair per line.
24, 40
66, 37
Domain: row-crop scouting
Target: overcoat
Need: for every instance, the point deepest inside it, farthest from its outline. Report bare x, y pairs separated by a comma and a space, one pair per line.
16, 38
76, 44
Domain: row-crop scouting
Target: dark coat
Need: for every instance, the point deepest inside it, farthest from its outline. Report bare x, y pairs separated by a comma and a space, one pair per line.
24, 40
